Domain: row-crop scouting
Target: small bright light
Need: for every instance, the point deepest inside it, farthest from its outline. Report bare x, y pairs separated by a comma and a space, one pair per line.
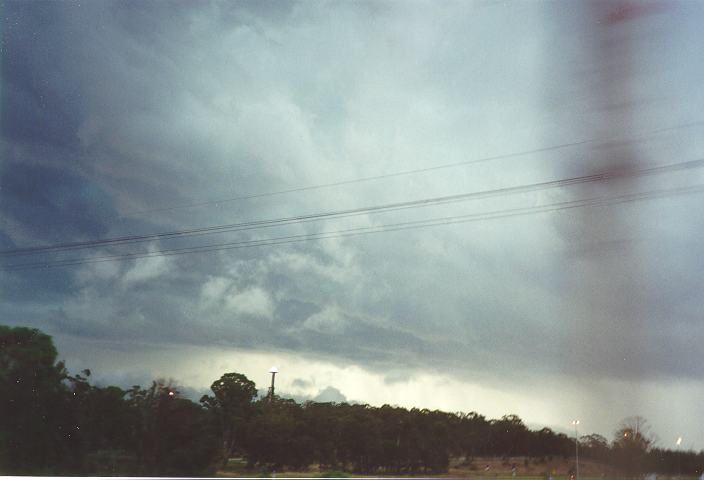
575, 422
222, 383
171, 394
679, 441
273, 370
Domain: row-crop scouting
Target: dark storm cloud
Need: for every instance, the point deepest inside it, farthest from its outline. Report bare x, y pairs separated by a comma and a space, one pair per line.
301, 383
40, 103
111, 110
50, 203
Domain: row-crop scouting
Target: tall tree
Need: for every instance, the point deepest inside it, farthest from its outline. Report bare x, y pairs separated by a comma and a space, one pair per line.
595, 446
231, 407
103, 419
35, 425
278, 436
171, 434
631, 444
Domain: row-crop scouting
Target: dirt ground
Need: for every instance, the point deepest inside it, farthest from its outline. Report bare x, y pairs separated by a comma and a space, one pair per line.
526, 466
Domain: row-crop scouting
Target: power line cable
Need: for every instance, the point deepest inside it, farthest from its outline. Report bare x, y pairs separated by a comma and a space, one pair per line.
415, 171
513, 212
356, 211
350, 212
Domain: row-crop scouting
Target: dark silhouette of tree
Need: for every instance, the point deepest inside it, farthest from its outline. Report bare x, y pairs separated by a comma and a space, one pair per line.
231, 407
631, 444
509, 435
471, 435
171, 434
676, 462
434, 440
322, 422
277, 436
35, 428
52, 422
594, 446
546, 442
101, 417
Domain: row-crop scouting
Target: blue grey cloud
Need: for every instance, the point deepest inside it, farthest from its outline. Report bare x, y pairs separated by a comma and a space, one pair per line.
112, 113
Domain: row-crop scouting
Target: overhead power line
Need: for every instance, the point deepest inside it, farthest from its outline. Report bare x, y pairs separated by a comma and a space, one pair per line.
415, 170
357, 231
355, 211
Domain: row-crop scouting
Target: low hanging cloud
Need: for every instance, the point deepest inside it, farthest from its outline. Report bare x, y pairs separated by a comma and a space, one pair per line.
330, 394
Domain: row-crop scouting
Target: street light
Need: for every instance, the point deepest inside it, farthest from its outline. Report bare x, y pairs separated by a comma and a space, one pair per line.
679, 466
273, 371
576, 448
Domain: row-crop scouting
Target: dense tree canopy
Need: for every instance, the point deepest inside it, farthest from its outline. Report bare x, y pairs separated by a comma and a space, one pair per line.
52, 422
34, 428
631, 445
230, 408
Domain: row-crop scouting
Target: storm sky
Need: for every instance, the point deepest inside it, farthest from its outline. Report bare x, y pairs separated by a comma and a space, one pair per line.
131, 118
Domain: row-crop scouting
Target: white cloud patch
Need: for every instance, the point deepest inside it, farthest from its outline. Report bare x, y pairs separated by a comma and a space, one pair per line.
340, 268
253, 301
98, 271
330, 394
214, 290
330, 320
146, 269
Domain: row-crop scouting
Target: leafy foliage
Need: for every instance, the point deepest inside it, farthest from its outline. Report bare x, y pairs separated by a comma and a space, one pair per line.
36, 432
230, 409
171, 434
631, 445
52, 422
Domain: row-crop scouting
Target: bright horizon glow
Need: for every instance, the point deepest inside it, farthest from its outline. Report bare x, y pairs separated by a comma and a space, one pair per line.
197, 367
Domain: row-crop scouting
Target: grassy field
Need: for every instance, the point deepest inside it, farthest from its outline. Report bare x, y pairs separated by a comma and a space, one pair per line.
498, 469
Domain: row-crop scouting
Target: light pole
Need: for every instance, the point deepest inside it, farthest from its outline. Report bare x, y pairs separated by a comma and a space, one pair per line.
273, 371
576, 449
679, 466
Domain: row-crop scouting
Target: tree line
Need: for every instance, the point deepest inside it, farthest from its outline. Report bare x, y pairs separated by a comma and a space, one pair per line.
53, 422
